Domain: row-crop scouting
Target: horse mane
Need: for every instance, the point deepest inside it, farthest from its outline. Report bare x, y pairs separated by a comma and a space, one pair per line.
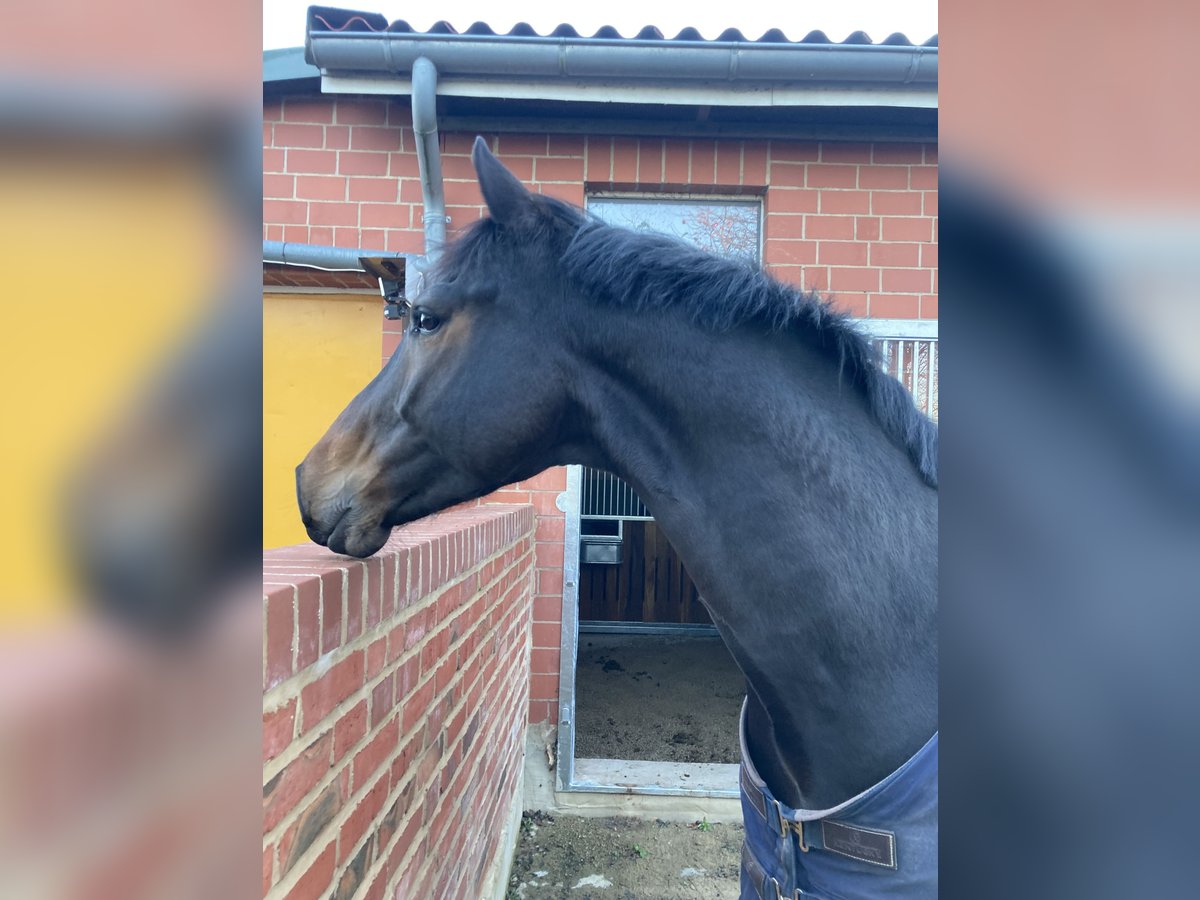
650, 271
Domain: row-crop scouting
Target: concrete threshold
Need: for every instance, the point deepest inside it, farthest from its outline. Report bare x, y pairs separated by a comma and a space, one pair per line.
673, 792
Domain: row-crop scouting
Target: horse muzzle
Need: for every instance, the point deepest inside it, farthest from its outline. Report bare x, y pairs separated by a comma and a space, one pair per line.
337, 522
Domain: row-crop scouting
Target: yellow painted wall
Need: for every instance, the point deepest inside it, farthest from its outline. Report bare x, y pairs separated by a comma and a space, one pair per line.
319, 350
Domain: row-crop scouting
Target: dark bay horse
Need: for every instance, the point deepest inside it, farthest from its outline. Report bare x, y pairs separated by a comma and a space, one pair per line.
797, 481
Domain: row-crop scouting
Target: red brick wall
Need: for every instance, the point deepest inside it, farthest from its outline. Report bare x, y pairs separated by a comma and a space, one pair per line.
542, 492
395, 694
857, 220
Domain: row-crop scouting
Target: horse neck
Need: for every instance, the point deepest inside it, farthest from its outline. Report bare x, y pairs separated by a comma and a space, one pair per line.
809, 534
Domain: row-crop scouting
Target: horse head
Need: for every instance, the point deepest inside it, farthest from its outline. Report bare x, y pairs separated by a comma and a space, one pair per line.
473, 398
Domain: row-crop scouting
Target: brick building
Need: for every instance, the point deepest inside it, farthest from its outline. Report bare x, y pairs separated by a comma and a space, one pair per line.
823, 154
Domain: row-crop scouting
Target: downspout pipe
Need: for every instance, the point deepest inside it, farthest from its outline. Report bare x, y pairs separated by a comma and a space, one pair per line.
429, 157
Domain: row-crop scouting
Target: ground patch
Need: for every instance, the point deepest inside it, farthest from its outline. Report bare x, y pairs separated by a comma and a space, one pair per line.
573, 858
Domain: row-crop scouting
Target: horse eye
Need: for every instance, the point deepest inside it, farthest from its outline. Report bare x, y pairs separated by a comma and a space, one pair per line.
424, 322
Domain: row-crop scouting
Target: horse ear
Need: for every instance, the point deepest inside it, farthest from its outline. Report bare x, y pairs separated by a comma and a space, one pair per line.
506, 197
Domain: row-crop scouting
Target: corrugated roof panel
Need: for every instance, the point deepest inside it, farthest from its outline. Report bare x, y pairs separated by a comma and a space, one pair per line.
322, 18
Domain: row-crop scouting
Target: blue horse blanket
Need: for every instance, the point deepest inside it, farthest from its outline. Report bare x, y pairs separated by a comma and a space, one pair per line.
881, 843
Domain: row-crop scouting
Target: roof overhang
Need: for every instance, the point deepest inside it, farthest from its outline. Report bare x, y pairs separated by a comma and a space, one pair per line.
285, 71
366, 56
700, 93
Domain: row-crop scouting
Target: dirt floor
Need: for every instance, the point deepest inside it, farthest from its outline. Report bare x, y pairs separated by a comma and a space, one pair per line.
657, 698
624, 859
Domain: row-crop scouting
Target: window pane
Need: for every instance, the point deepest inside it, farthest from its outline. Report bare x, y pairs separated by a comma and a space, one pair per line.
727, 228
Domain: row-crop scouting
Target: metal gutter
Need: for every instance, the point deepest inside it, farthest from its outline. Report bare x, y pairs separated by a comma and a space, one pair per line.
429, 159
645, 61
316, 256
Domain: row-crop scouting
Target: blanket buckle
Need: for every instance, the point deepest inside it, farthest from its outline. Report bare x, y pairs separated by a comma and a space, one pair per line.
798, 828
